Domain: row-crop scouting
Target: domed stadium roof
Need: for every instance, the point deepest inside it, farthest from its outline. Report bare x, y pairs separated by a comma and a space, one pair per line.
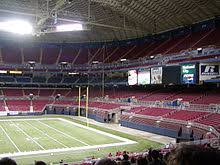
107, 20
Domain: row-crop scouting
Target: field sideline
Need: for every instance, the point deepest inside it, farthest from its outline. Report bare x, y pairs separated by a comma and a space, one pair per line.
46, 137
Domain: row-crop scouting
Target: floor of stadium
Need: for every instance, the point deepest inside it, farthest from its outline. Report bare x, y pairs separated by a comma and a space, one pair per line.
143, 134
52, 138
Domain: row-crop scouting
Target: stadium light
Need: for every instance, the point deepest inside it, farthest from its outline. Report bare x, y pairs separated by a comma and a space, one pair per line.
73, 73
123, 59
64, 63
3, 71
95, 62
69, 27
16, 26
188, 126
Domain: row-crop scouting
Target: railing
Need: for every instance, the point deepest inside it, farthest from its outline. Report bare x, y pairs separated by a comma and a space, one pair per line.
161, 104
149, 104
175, 121
157, 104
141, 62
214, 142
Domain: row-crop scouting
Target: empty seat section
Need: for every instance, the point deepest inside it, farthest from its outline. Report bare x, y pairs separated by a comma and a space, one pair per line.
109, 51
11, 55
189, 42
27, 92
7, 79
103, 105
72, 93
18, 105
212, 97
188, 95
13, 92
81, 57
141, 50
38, 105
212, 120
153, 47
32, 54
63, 102
158, 95
96, 54
186, 115
137, 51
70, 80
211, 39
46, 92
136, 109
23, 79
68, 55
39, 79
50, 55
167, 45
55, 79
62, 92
119, 53
154, 111
2, 105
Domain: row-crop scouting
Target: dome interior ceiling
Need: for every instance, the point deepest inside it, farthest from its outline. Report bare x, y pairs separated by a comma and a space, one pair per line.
107, 20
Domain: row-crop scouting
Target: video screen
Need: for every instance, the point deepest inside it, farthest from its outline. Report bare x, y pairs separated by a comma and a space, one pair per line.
143, 76
171, 75
188, 74
209, 71
132, 77
156, 75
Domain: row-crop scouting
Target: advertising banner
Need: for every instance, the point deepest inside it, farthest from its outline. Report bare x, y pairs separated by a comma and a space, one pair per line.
208, 71
132, 77
143, 76
188, 74
171, 75
156, 75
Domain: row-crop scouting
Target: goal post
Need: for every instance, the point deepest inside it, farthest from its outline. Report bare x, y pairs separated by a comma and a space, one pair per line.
79, 99
87, 105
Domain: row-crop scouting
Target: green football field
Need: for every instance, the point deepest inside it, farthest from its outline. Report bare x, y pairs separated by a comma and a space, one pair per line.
54, 138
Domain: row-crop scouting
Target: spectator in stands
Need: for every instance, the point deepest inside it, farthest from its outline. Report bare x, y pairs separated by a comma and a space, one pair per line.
149, 157
125, 156
40, 163
61, 162
180, 132
125, 162
141, 161
7, 161
110, 155
201, 138
194, 155
192, 136
166, 156
155, 158
118, 153
133, 160
105, 161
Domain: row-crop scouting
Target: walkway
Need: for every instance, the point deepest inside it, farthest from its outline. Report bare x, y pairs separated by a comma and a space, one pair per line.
143, 134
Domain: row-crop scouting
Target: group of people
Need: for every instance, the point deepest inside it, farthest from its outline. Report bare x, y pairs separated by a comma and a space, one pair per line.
181, 155
9, 161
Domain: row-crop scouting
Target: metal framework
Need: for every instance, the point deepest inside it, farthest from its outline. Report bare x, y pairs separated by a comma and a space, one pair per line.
108, 20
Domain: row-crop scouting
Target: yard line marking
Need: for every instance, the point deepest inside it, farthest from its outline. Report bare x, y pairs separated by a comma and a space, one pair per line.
10, 139
47, 135
63, 133
29, 137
